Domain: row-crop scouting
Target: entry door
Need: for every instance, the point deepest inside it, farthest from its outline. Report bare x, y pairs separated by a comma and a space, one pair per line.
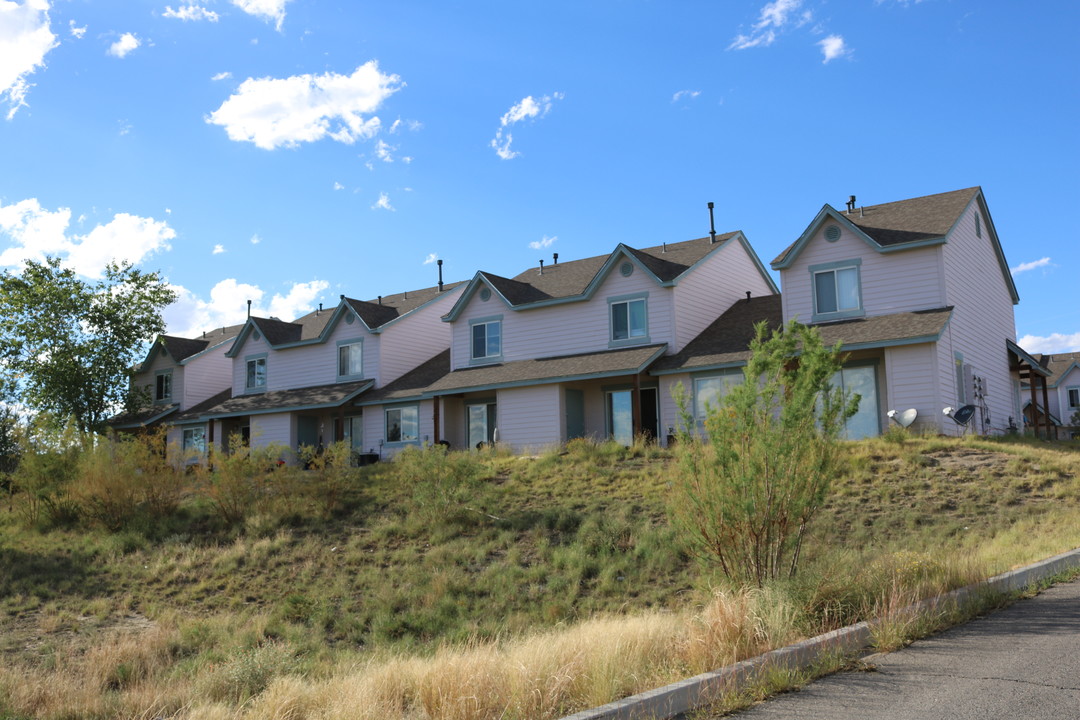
862, 379
650, 415
620, 412
575, 414
481, 419
307, 431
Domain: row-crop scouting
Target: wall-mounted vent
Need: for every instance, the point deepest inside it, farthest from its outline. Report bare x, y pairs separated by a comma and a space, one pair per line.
832, 233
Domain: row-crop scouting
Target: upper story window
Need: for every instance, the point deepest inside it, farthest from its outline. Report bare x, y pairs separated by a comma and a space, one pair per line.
163, 386
256, 373
629, 319
486, 339
1074, 397
350, 359
837, 290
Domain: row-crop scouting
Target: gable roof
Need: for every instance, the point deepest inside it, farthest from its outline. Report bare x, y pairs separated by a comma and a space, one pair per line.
577, 279
276, 401
142, 418
1058, 365
182, 349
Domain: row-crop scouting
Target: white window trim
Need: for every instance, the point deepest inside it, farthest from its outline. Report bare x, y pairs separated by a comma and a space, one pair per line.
613, 302
833, 267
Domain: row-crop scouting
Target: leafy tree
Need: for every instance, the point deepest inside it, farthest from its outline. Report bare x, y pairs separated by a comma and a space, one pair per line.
67, 346
747, 490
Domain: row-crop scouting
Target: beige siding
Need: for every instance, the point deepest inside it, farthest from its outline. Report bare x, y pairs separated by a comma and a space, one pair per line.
983, 316
891, 282
711, 288
566, 328
416, 338
529, 419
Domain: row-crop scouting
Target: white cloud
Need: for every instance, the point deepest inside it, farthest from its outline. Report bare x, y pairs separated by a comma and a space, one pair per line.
384, 151
35, 232
255, 239
124, 45
222, 76
190, 12
276, 112
1053, 343
833, 47
1024, 267
190, 315
25, 40
544, 242
338, 186
76, 32
432, 257
218, 249
265, 9
685, 93
528, 109
774, 16
383, 203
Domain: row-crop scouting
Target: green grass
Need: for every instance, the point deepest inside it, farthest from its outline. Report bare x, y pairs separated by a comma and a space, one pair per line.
512, 547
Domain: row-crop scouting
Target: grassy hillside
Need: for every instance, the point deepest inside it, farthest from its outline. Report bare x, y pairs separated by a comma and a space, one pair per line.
372, 586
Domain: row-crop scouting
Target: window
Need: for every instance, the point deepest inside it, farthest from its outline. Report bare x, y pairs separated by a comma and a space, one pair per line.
861, 380
978, 225
351, 359
256, 373
486, 339
194, 440
1074, 397
481, 421
353, 432
629, 320
163, 386
837, 293
403, 424
710, 391
620, 416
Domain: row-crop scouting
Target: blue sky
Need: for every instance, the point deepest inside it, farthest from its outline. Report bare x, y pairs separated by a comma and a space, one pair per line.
288, 151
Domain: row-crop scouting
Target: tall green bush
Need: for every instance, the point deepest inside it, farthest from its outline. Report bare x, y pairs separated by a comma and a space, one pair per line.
747, 490
439, 482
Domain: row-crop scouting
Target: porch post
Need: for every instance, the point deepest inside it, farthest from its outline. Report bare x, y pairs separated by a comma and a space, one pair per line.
1032, 379
637, 405
1046, 407
210, 432
339, 431
437, 434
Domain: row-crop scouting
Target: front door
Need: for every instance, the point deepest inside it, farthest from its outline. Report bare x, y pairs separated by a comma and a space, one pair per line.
575, 414
307, 431
861, 379
481, 421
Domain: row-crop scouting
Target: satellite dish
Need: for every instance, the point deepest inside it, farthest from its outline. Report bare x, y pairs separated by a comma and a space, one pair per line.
907, 417
963, 415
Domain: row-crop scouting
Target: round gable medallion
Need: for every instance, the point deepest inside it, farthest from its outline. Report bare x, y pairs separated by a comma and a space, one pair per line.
832, 233
485, 294
348, 318
255, 336
627, 269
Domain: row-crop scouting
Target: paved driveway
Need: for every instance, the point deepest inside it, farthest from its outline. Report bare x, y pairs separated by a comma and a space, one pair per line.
1021, 662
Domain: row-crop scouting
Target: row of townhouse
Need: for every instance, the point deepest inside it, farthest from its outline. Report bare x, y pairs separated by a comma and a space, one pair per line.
917, 291
1060, 394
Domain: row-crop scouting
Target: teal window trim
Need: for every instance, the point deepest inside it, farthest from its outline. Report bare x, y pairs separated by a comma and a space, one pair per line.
833, 267
489, 357
1069, 390
620, 304
337, 359
252, 382
163, 386
732, 376
400, 408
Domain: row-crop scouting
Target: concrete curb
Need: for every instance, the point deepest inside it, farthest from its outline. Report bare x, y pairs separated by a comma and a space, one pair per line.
686, 695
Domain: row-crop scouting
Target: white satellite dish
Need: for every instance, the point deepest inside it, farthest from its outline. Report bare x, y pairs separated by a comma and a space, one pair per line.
903, 419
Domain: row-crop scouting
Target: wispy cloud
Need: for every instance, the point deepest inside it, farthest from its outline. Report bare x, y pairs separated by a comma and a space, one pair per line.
383, 203
76, 32
833, 47
528, 109
432, 257
222, 76
1053, 343
385, 151
774, 17
1024, 267
190, 12
269, 10
284, 112
544, 242
255, 239
25, 39
685, 93
338, 186
218, 249
124, 45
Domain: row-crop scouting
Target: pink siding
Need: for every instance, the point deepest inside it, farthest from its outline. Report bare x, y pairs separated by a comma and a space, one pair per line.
1059, 396
206, 375
983, 316
566, 328
416, 338
711, 288
375, 427
911, 376
669, 411
529, 418
147, 378
239, 368
891, 282
277, 428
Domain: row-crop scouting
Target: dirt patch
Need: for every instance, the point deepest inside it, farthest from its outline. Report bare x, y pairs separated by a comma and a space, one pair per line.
970, 460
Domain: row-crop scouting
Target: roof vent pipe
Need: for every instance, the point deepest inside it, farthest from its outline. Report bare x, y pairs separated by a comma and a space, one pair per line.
860, 211
555, 258
439, 263
249, 309
406, 294
319, 312
665, 248
747, 295
851, 204
541, 267
712, 226
380, 299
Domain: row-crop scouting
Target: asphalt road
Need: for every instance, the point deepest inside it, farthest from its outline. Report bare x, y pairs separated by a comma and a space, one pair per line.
1020, 662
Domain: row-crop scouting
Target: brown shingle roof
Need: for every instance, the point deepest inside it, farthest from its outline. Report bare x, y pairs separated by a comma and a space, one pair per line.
376, 313
623, 361
182, 348
318, 396
906, 221
196, 411
884, 330
143, 418
413, 383
1058, 364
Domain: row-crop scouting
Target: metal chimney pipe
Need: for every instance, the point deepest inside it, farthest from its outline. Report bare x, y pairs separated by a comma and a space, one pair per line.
439, 263
541, 267
555, 257
249, 309
712, 226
